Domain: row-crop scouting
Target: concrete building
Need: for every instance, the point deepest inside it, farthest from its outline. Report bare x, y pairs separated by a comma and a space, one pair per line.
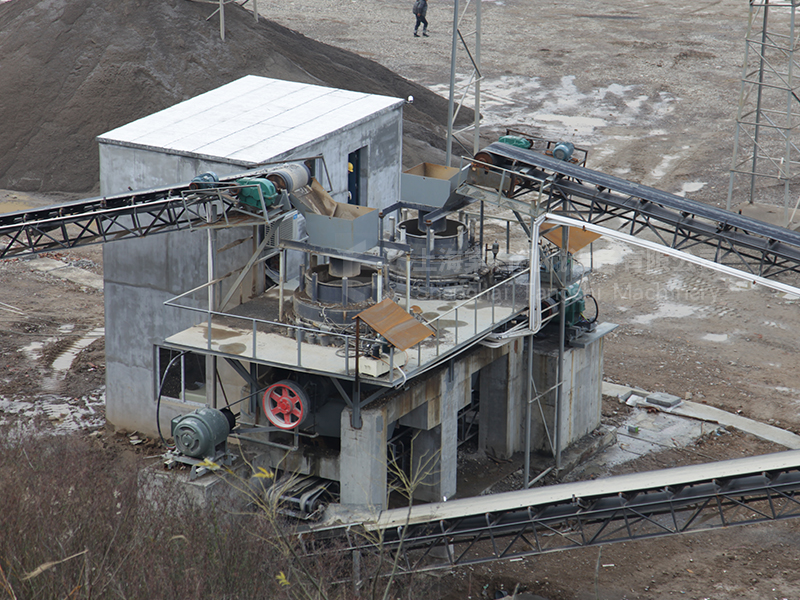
232, 129
314, 392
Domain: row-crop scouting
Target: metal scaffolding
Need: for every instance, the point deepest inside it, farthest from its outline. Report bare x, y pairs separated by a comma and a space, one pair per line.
764, 144
471, 82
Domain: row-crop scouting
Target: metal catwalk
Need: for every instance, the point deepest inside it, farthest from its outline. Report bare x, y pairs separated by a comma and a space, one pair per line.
676, 222
560, 517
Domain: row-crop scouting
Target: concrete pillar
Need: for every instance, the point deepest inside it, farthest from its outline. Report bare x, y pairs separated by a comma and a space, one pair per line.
434, 452
502, 400
362, 460
494, 435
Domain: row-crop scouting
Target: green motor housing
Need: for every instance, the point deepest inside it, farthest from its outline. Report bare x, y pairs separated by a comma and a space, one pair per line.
200, 432
576, 306
257, 187
515, 140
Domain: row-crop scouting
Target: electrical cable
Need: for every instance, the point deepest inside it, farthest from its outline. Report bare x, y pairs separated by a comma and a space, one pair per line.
596, 309
161, 391
224, 395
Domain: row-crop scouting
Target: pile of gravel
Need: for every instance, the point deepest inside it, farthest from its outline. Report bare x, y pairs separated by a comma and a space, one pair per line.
73, 69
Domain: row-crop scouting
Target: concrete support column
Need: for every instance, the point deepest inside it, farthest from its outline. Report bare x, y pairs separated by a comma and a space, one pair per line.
502, 399
494, 434
434, 452
362, 460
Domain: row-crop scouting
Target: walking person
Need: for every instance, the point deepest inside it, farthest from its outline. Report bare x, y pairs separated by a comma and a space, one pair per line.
420, 10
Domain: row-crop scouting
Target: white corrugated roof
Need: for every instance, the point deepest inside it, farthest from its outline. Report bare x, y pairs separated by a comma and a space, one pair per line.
250, 120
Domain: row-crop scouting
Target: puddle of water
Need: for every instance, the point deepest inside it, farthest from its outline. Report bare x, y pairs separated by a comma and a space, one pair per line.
609, 252
715, 337
691, 187
785, 390
34, 350
581, 125
737, 285
663, 166
65, 414
450, 323
64, 361
562, 105
643, 432
666, 311
219, 334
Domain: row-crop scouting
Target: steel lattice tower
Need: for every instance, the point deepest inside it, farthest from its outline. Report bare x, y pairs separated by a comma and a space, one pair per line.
473, 81
765, 147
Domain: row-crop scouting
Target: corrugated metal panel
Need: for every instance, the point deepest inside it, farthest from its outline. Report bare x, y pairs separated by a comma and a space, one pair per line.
396, 325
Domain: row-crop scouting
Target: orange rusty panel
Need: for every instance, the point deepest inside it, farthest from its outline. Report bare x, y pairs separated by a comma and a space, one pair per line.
396, 325
578, 238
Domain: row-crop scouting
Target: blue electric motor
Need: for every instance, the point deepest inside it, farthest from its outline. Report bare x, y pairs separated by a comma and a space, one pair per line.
563, 150
204, 181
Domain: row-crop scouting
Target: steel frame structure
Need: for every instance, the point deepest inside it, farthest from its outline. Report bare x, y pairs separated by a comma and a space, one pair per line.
133, 215
751, 246
562, 517
473, 80
767, 116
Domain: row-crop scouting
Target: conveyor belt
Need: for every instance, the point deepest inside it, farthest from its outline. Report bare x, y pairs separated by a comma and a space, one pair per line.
615, 509
753, 246
135, 214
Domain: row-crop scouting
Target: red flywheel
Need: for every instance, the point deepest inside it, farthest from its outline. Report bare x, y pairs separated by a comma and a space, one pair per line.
284, 404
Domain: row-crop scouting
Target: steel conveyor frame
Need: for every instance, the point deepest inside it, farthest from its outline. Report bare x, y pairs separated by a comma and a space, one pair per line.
561, 517
132, 215
680, 223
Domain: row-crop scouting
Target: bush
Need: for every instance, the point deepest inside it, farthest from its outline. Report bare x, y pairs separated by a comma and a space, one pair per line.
75, 524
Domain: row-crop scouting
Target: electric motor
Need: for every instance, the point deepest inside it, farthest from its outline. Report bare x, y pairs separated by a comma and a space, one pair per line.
563, 150
200, 432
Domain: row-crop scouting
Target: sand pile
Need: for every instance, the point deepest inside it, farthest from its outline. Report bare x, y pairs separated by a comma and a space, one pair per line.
72, 69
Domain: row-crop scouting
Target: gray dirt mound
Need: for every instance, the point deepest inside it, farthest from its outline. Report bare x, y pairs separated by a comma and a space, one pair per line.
73, 69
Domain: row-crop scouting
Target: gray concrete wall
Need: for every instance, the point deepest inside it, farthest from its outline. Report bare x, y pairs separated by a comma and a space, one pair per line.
383, 163
502, 402
140, 275
124, 168
582, 391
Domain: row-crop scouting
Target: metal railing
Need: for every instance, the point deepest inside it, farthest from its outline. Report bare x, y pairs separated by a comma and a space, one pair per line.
487, 310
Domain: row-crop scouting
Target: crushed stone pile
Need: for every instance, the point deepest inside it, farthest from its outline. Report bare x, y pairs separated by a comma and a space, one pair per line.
73, 69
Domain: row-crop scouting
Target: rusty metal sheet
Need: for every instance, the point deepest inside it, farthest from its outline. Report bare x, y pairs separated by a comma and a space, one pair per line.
396, 325
578, 238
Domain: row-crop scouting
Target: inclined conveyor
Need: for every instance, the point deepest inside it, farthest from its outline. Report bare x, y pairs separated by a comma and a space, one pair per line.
588, 513
758, 248
131, 215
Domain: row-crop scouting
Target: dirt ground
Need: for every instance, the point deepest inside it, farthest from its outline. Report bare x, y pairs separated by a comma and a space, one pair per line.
650, 88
